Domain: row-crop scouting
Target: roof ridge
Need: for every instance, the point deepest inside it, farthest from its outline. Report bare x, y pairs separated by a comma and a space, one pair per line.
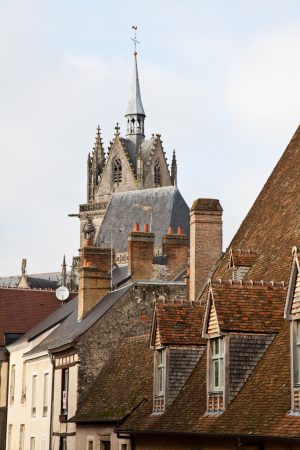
253, 284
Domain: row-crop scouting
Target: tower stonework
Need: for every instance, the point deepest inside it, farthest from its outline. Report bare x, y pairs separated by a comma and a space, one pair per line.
131, 162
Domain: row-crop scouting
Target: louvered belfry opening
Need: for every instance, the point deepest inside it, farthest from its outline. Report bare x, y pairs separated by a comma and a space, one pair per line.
117, 171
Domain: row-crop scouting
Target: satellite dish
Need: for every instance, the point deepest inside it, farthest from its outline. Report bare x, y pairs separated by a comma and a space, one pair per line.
62, 293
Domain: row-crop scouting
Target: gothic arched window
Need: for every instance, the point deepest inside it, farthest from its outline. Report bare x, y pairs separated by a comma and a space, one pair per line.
117, 171
157, 173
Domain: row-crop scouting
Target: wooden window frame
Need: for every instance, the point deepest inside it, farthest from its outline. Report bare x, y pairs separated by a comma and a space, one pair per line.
217, 364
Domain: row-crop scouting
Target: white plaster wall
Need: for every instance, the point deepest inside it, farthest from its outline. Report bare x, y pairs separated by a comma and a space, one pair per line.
84, 433
19, 413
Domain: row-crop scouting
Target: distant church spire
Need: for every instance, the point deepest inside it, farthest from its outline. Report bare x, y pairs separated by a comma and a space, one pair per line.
174, 169
135, 114
64, 272
95, 165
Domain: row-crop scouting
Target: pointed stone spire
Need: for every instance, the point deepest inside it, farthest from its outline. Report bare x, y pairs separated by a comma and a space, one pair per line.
174, 169
135, 114
95, 166
64, 272
98, 149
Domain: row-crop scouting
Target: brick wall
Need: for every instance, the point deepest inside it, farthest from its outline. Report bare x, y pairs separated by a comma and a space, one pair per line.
205, 242
140, 255
94, 280
175, 247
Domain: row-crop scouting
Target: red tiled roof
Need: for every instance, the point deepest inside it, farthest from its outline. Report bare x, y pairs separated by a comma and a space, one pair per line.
261, 408
21, 309
272, 226
247, 307
180, 324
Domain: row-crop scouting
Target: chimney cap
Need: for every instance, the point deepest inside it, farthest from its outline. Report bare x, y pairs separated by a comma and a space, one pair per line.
206, 204
136, 227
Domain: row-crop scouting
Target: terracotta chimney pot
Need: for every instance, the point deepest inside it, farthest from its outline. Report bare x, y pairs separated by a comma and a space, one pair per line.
170, 230
179, 230
146, 228
136, 227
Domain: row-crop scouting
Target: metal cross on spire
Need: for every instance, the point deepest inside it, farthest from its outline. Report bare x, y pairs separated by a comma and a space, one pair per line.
134, 39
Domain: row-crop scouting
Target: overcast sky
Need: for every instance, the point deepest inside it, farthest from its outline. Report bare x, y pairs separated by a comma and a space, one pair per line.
219, 81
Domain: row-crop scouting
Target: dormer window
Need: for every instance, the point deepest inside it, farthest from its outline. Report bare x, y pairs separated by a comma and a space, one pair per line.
157, 173
241, 262
160, 381
117, 171
217, 364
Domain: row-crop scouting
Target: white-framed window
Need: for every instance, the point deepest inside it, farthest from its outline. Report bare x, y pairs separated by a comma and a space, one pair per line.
160, 371
297, 353
21, 438
32, 442
105, 443
45, 394
44, 443
64, 391
33, 394
9, 437
217, 365
12, 383
23, 393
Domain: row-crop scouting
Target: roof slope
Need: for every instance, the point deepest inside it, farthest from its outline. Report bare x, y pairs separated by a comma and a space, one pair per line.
180, 324
22, 309
160, 207
272, 226
247, 307
114, 394
268, 416
70, 328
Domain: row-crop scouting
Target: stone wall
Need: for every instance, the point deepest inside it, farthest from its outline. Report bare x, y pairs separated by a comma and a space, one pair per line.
130, 316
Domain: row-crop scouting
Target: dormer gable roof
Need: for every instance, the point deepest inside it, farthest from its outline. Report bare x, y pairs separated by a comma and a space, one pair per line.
292, 303
177, 324
245, 306
241, 258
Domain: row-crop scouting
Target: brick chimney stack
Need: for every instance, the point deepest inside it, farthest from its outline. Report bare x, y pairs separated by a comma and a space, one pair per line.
94, 279
205, 242
175, 248
140, 253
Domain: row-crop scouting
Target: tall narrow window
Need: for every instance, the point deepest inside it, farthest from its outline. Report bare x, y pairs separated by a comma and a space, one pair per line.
161, 370
62, 443
157, 173
117, 171
45, 394
297, 354
12, 383
105, 444
33, 395
23, 393
22, 434
64, 391
32, 443
9, 437
217, 364
160, 381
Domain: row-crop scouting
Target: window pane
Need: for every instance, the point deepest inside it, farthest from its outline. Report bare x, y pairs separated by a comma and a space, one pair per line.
45, 394
216, 373
32, 443
33, 395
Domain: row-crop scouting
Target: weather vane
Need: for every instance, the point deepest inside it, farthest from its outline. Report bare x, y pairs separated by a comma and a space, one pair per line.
134, 39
